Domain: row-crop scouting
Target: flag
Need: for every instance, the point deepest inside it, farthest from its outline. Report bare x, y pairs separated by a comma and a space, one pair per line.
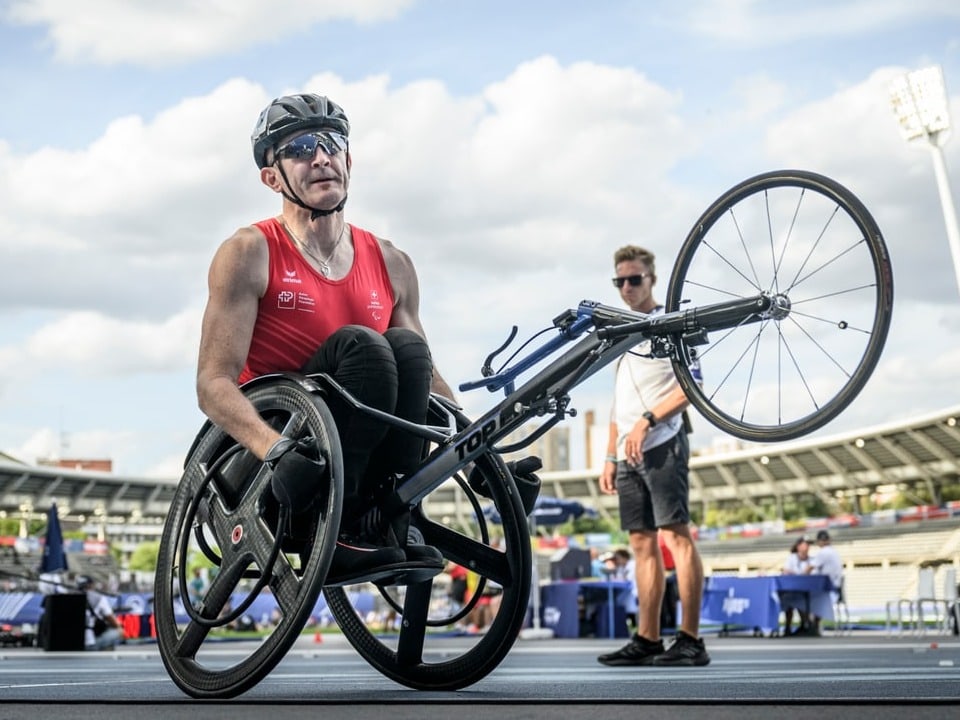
54, 558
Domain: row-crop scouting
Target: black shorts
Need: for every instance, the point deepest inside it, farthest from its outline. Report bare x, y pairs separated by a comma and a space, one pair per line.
657, 493
458, 590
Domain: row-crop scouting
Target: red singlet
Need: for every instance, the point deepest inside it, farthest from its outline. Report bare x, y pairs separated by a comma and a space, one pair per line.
301, 308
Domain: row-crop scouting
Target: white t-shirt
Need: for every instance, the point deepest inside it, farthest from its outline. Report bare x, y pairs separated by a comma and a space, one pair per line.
628, 598
641, 384
795, 566
827, 562
102, 606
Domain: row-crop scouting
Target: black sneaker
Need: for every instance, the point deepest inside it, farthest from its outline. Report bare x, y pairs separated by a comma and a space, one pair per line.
639, 651
417, 551
355, 560
423, 561
686, 650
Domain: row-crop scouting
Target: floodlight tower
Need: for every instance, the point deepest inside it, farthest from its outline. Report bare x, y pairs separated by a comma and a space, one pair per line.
919, 101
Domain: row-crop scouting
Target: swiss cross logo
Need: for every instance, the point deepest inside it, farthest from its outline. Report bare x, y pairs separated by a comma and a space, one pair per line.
375, 306
286, 300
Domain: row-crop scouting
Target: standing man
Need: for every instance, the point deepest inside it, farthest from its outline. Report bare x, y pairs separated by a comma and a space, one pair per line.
646, 464
305, 291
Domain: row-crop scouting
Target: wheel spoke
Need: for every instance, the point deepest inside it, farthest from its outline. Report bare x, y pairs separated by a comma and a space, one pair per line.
796, 279
473, 554
414, 626
215, 601
826, 264
295, 425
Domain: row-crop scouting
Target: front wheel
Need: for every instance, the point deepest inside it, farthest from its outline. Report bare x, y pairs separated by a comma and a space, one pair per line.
811, 245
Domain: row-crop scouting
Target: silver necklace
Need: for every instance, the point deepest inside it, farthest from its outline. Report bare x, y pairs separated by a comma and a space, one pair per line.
302, 246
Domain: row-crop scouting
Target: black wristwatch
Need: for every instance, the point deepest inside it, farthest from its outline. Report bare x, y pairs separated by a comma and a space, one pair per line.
651, 420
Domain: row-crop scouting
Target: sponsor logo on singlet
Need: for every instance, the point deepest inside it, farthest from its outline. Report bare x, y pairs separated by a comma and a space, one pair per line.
287, 300
375, 306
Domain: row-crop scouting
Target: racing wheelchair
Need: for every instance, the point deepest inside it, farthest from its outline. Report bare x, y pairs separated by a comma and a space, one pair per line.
782, 293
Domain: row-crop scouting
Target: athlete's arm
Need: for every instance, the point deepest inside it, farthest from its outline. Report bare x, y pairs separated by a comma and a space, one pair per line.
406, 302
237, 279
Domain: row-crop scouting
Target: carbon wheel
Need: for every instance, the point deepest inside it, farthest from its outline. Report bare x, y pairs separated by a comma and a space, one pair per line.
223, 515
405, 651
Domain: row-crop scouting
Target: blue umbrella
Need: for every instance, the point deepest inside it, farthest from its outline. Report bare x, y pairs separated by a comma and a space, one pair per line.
556, 511
549, 511
54, 558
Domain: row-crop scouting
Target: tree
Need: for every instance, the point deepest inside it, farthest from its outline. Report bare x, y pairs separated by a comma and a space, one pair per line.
144, 556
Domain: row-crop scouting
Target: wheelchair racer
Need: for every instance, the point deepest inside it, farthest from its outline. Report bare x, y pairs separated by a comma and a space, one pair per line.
306, 291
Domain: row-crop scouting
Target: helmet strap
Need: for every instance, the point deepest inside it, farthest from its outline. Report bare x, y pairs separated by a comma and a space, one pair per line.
314, 212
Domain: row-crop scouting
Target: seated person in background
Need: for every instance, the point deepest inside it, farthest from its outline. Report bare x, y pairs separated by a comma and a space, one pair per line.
796, 563
488, 604
103, 631
596, 564
826, 562
458, 585
625, 569
671, 593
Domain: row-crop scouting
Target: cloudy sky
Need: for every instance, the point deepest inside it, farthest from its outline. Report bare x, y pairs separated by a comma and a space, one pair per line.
508, 147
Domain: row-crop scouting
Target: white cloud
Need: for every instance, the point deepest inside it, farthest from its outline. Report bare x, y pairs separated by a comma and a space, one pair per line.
104, 345
95, 345
510, 200
144, 32
759, 23
759, 96
852, 137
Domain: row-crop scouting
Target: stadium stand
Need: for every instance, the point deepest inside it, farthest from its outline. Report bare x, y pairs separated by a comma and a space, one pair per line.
883, 558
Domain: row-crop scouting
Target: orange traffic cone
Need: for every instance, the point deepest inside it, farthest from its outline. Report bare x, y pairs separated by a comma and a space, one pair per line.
318, 637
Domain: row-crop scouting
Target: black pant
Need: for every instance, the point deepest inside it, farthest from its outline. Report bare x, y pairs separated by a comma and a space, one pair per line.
391, 372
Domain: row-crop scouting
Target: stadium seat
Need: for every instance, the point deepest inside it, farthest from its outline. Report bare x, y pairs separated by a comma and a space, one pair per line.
841, 613
926, 606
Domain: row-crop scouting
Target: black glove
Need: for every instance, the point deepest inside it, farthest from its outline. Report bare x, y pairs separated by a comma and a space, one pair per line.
524, 475
298, 471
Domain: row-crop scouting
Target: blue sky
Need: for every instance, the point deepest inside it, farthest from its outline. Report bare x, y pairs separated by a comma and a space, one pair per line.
508, 147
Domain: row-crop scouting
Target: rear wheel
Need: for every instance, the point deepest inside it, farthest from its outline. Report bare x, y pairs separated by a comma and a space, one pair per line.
811, 245
224, 517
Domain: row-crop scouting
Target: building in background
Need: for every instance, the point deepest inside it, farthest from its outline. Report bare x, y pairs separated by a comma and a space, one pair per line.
553, 448
77, 464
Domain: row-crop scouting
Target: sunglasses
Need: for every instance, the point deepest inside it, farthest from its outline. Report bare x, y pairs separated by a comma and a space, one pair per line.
634, 280
305, 146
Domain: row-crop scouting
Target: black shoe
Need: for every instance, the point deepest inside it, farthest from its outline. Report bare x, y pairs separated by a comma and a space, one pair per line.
423, 561
686, 650
301, 532
639, 651
417, 551
358, 561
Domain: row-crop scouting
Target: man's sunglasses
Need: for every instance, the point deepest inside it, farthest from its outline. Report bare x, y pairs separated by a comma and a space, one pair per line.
305, 146
634, 280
